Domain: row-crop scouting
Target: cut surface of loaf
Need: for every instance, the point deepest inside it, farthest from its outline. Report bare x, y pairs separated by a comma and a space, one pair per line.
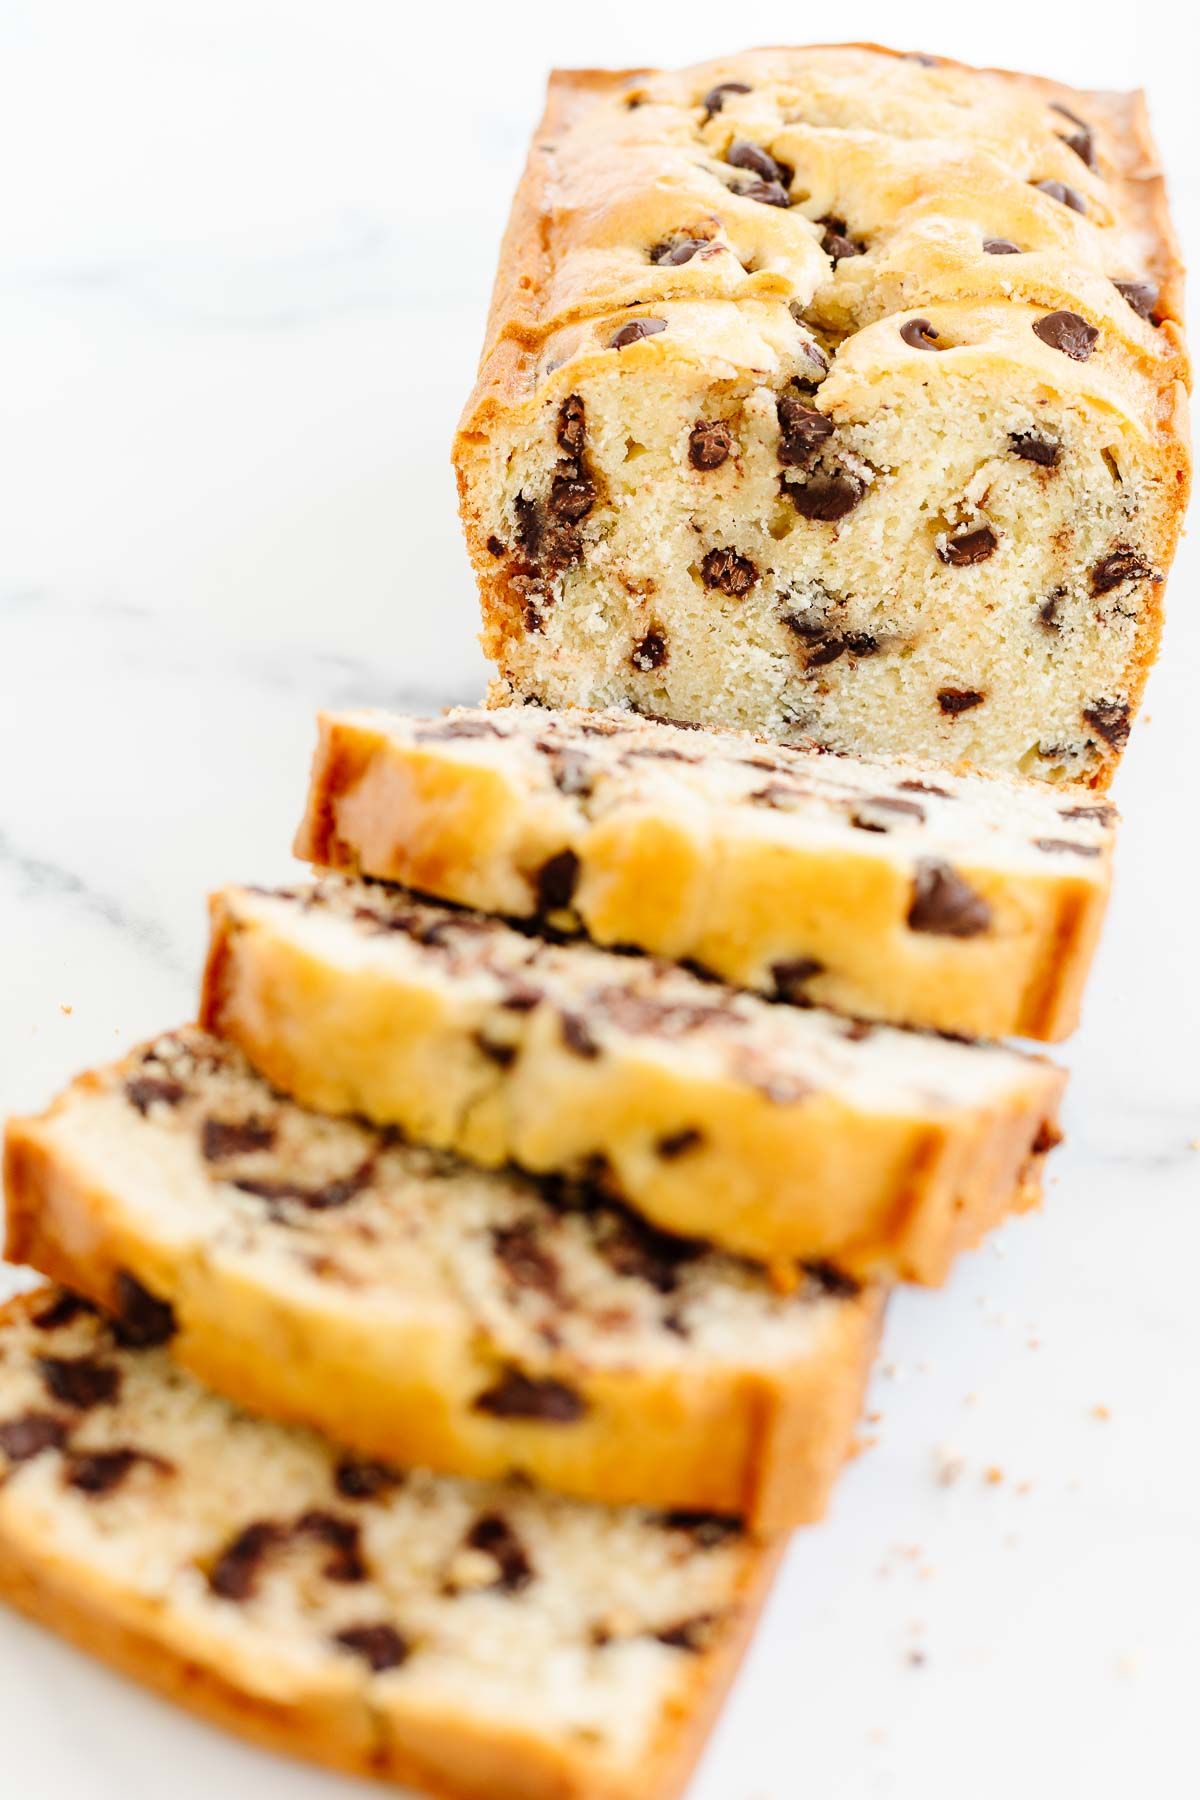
890, 889
428, 1312
774, 1131
481, 1641
834, 392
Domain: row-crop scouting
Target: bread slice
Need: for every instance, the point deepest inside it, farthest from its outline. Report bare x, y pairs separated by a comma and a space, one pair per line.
834, 391
479, 1640
427, 1312
776, 1132
785, 870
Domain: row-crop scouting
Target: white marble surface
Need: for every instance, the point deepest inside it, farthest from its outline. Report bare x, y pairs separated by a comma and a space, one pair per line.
244, 253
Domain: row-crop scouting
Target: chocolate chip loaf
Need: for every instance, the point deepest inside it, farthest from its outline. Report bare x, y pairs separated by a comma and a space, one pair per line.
471, 1639
426, 1312
838, 393
776, 1132
889, 889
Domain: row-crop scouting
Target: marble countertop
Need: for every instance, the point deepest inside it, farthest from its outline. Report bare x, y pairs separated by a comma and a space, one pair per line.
243, 267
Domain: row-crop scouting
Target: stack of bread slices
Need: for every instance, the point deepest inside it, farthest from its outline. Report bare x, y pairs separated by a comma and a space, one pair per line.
449, 1327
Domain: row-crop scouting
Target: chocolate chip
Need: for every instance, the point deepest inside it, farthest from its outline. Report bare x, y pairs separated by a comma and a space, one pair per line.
678, 1143
142, 1319
826, 496
1032, 447
570, 770
381, 1647
448, 730
493, 1534
866, 816
710, 442
919, 334
146, 1091
234, 1575
650, 652
79, 1381
220, 1139
714, 100
1122, 564
1048, 1138
673, 254
571, 429
968, 547
767, 193
329, 1195
1053, 845
836, 241
959, 700
503, 1055
1100, 814
693, 1635
341, 1537
1111, 719
742, 154
362, 1478
23, 1438
520, 996
833, 1282
944, 904
62, 1310
791, 977
1048, 611
708, 1531
1080, 140
519, 1396
1000, 247
925, 787
1067, 332
100, 1471
732, 574
861, 643
525, 1259
556, 881
636, 329
802, 430
577, 1037
572, 497
1067, 196
1141, 295
634, 1248
496, 547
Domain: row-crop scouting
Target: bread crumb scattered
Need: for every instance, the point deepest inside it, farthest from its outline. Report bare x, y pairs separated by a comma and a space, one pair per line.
1101, 1412
64, 1008
993, 1475
950, 1466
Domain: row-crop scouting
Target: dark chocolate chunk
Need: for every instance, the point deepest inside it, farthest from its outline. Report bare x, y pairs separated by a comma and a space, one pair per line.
571, 430
833, 1282
968, 547
650, 652
693, 1635
1067, 332
919, 334
516, 1395
767, 193
142, 1318
1080, 140
1101, 814
673, 253
1000, 247
493, 1534
866, 815
325, 1198
572, 497
381, 1647
235, 1573
1048, 611
556, 881
742, 154
944, 904
503, 1055
64, 1309
632, 1247
730, 573
100, 1471
520, 996
826, 496
714, 100
443, 730
341, 1537
221, 1138
1122, 564
802, 430
708, 1531
362, 1478
710, 442
496, 546
678, 1143
959, 700
636, 329
577, 1037
1048, 1138
925, 787
1066, 196
79, 1381
836, 241
570, 770
1111, 719
25, 1437
1141, 295
792, 976
145, 1091
1032, 447
1055, 844
525, 1260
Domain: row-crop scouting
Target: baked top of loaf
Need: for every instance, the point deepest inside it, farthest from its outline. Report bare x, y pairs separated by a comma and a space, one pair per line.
779, 868
384, 1623
931, 310
427, 1311
774, 1130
